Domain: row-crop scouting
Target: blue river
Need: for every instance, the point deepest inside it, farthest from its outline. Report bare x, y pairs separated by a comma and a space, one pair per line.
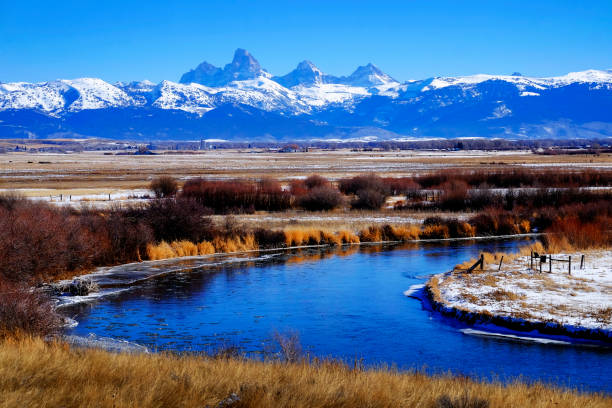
347, 304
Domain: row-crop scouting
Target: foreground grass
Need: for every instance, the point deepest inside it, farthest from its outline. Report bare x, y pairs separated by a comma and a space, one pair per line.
38, 374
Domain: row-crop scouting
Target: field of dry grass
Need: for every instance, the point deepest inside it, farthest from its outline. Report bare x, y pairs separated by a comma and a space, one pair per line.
36, 374
95, 170
354, 220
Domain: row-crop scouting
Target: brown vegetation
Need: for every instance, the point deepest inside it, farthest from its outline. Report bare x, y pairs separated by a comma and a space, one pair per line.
237, 196
26, 310
164, 186
32, 371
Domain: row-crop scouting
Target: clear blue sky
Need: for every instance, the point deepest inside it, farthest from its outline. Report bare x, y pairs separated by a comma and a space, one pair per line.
134, 40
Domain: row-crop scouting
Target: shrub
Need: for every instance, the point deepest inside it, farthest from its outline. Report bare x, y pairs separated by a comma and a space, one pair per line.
454, 195
571, 233
238, 196
321, 199
315, 181
269, 239
401, 185
178, 219
298, 187
24, 310
164, 186
368, 199
369, 182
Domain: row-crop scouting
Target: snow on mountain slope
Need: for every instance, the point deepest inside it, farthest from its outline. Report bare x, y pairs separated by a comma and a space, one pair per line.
46, 96
193, 98
262, 93
325, 94
367, 76
305, 74
304, 91
94, 93
521, 82
71, 95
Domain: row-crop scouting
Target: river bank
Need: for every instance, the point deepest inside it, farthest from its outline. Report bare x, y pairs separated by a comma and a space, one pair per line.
519, 297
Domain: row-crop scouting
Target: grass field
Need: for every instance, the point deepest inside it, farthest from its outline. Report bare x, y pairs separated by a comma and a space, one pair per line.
37, 374
99, 172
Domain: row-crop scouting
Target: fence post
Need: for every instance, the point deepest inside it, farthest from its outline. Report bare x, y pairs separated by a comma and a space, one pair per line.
500, 263
481, 262
549, 263
531, 267
540, 264
581, 261
570, 265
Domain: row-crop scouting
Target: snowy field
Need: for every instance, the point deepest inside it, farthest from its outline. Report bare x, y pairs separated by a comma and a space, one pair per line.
582, 299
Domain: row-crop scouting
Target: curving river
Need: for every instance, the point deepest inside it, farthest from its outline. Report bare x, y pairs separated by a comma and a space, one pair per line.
347, 304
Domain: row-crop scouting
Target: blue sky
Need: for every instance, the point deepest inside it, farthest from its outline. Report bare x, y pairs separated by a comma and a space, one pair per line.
134, 40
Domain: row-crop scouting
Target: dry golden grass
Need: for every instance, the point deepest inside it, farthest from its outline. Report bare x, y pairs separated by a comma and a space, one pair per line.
163, 250
36, 374
406, 232
184, 248
494, 258
500, 295
310, 236
177, 249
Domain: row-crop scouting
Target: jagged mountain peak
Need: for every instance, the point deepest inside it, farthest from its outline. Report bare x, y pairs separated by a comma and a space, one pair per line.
243, 66
307, 65
243, 60
368, 75
306, 73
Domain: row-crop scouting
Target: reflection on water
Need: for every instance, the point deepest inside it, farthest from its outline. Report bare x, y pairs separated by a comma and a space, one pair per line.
346, 303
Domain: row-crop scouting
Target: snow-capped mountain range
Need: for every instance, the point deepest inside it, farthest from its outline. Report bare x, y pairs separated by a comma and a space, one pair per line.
243, 101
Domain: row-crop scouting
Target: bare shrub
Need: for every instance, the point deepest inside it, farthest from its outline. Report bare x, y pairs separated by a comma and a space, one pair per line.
24, 310
290, 348
570, 233
164, 186
401, 185
238, 196
454, 195
370, 182
173, 220
369, 199
321, 199
315, 181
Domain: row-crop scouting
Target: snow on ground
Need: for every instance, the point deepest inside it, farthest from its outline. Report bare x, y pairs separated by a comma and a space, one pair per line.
582, 299
91, 197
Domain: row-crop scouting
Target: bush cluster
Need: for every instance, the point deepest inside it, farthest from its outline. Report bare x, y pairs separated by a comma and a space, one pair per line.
237, 196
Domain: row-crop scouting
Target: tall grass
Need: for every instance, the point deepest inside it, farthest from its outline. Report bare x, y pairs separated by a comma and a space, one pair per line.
35, 373
219, 244
310, 236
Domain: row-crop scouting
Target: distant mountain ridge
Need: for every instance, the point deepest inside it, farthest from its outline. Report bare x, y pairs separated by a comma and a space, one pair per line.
243, 101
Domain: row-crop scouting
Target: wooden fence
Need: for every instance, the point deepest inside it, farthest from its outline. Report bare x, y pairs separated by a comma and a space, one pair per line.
542, 259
